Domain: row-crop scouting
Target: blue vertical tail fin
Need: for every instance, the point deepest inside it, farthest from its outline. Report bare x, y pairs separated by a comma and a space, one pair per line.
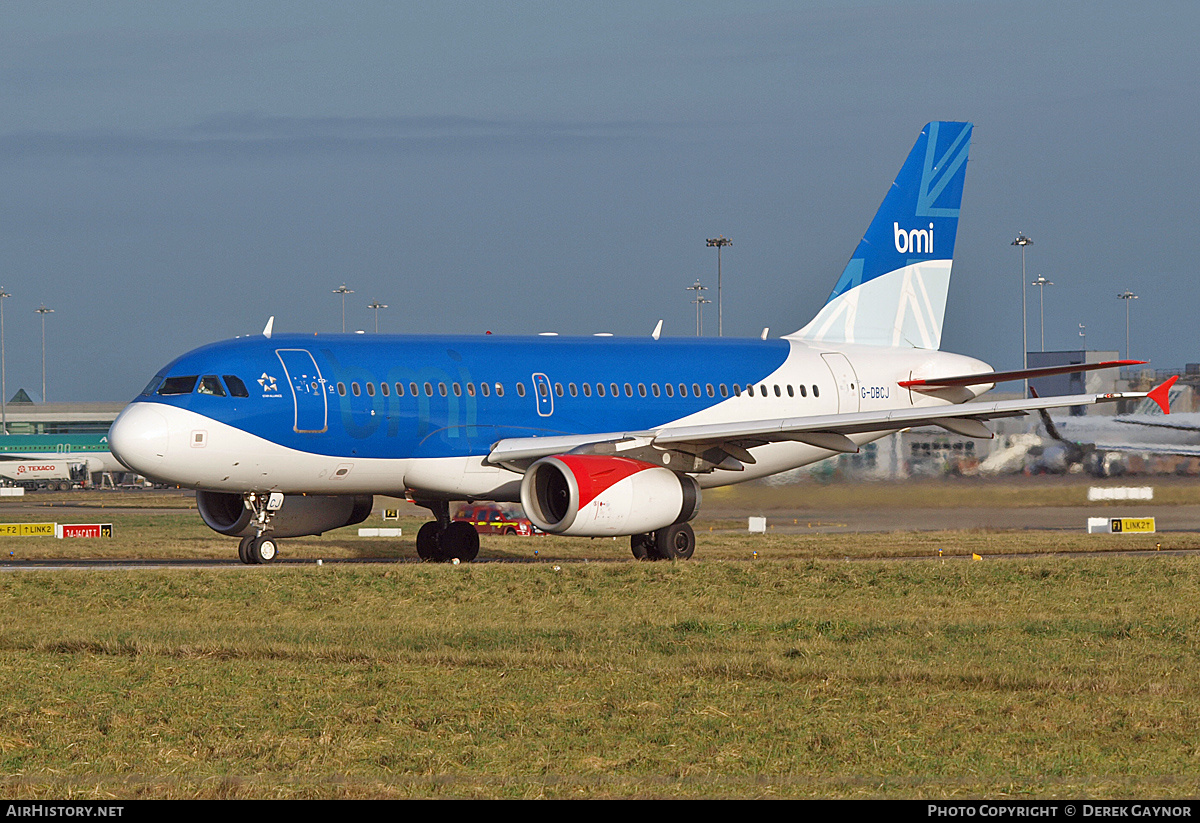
893, 290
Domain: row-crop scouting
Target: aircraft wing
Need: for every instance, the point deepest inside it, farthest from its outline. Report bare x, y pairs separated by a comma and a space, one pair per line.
726, 445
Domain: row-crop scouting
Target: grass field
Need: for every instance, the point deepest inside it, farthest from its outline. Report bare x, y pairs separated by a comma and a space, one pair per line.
791, 675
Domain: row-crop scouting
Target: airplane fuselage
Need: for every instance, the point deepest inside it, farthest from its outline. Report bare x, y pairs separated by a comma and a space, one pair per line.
355, 414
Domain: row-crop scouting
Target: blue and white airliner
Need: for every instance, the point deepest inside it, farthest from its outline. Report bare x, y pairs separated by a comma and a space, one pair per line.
288, 435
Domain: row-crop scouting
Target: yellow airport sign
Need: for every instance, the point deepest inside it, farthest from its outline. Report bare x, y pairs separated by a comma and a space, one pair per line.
1133, 525
27, 529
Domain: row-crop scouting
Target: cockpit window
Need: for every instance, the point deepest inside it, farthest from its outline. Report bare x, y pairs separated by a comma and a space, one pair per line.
178, 385
151, 386
236, 387
211, 384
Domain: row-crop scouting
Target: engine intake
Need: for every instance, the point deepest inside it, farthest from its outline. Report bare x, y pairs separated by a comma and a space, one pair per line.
301, 514
603, 496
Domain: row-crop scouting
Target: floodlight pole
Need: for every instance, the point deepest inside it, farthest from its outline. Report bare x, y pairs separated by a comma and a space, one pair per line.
1041, 283
699, 300
43, 311
3, 374
1023, 241
376, 305
719, 243
343, 291
1127, 295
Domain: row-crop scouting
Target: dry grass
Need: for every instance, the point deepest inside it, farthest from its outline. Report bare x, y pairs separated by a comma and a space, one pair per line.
777, 678
791, 674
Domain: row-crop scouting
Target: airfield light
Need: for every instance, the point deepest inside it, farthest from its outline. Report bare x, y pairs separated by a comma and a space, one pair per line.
3, 381
699, 300
719, 243
343, 291
1127, 295
376, 305
43, 311
1041, 283
1023, 241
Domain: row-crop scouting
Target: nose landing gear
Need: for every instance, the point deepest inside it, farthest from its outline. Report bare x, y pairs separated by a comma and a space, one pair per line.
258, 549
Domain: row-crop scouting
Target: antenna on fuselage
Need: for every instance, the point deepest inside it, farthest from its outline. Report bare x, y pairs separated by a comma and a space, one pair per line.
267, 328
765, 330
657, 330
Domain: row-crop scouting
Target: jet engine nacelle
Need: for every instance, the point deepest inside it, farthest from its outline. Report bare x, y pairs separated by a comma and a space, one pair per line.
602, 496
301, 514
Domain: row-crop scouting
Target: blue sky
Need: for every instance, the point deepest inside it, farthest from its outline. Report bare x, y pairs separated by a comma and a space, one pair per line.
176, 173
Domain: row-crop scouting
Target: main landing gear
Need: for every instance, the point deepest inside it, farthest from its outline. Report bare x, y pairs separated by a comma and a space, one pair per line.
445, 540
676, 542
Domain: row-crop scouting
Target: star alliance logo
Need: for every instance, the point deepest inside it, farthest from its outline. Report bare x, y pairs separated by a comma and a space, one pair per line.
268, 384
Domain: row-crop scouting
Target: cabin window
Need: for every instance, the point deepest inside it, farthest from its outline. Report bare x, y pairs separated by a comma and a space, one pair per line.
803, 391
777, 392
737, 390
669, 389
763, 389
708, 387
236, 387
654, 389
371, 389
816, 391
750, 389
429, 390
628, 390
178, 385
442, 389
587, 389
520, 389
642, 389
499, 389
599, 389
573, 389
791, 391
724, 391
211, 384
385, 389
399, 389
696, 389
682, 390
355, 389
616, 392
558, 389
470, 389
485, 389
342, 389
412, 389
457, 390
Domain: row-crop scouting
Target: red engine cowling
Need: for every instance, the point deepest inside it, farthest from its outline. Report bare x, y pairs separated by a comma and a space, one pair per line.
602, 496
301, 514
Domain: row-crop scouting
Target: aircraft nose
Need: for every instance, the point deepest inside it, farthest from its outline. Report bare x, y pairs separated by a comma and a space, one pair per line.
139, 437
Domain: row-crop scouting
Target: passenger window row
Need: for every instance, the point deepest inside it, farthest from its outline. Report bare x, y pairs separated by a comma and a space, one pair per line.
601, 389
211, 384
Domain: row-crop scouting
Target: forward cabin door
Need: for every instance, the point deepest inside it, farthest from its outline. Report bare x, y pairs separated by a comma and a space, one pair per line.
308, 390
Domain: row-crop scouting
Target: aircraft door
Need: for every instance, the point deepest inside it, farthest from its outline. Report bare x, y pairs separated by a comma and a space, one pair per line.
845, 380
308, 390
545, 397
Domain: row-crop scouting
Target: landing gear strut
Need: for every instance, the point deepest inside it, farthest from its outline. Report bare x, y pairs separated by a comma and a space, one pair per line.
677, 542
444, 540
